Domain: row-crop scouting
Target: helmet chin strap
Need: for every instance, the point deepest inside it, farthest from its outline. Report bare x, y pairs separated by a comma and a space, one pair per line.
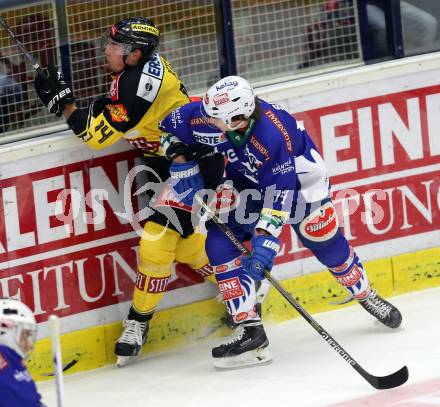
234, 127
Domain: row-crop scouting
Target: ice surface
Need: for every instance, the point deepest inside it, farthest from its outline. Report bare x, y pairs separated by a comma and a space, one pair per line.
305, 372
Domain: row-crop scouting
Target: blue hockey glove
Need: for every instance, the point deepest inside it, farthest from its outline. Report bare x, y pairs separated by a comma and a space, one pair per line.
188, 181
264, 250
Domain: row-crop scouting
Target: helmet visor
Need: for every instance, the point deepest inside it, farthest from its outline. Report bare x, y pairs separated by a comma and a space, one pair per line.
108, 43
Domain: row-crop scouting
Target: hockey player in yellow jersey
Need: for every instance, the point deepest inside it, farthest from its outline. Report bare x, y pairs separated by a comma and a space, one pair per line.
143, 91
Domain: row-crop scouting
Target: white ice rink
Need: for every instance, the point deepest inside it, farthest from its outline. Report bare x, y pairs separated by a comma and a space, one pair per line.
305, 371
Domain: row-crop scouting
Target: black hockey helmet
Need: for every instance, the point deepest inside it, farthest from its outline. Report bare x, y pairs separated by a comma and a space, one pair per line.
134, 33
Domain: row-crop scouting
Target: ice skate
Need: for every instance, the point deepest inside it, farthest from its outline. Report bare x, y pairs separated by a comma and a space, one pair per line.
130, 342
246, 347
386, 313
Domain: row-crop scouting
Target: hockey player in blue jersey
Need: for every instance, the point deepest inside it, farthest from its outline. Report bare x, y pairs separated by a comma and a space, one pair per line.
17, 336
281, 178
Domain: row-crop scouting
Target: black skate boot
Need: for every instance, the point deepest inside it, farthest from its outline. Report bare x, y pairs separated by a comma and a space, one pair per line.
247, 346
130, 342
386, 313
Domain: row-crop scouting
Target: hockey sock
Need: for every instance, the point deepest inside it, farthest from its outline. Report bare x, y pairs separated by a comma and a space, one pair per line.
352, 276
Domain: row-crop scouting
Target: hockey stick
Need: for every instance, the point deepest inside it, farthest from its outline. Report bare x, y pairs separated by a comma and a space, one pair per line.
379, 382
20, 45
66, 367
57, 361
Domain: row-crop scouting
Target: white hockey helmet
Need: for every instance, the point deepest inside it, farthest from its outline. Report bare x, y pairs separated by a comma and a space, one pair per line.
229, 97
18, 327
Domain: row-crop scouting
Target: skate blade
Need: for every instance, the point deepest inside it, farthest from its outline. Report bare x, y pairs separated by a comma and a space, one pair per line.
125, 360
346, 300
258, 356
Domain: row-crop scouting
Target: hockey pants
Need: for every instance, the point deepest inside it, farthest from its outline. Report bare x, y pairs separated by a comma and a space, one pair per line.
159, 248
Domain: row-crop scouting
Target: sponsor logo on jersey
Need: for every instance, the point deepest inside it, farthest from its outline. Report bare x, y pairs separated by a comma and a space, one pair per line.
253, 162
176, 118
320, 225
259, 147
154, 67
151, 79
140, 281
145, 28
283, 168
200, 121
281, 128
210, 139
3, 362
231, 288
225, 84
118, 113
157, 285
148, 85
221, 99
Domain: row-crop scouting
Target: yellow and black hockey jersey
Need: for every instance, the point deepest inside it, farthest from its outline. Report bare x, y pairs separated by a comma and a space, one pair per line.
140, 97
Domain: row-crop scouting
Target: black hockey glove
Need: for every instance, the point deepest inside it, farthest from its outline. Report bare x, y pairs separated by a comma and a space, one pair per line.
52, 90
211, 164
98, 105
199, 152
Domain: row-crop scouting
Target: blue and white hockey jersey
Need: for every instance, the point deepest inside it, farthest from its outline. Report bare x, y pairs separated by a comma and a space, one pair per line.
17, 388
275, 153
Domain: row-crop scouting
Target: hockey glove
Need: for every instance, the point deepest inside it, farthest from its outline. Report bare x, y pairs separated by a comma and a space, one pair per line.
98, 105
264, 250
52, 90
187, 181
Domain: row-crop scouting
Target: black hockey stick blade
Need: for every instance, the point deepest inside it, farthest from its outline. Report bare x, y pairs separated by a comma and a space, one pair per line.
67, 366
395, 379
